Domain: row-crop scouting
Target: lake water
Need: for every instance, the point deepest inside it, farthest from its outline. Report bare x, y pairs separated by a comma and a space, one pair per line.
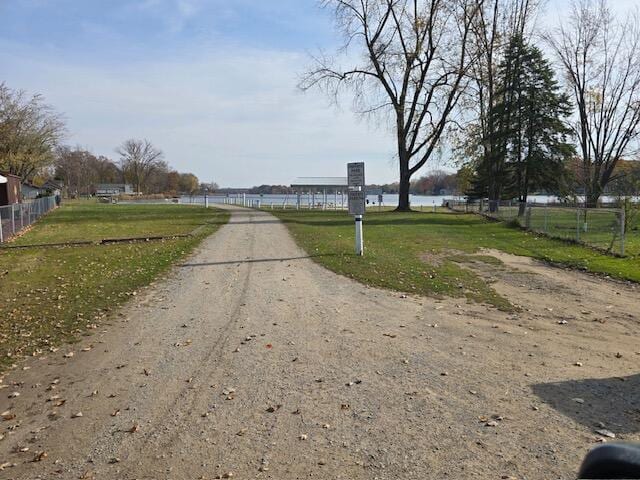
388, 200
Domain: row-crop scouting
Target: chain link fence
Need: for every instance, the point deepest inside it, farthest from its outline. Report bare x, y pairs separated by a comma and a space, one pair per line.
14, 218
603, 228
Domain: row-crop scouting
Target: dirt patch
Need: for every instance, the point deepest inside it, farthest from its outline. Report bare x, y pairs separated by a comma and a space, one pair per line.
438, 258
536, 285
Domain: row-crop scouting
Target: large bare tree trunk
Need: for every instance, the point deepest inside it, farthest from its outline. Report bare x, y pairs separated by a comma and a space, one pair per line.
404, 186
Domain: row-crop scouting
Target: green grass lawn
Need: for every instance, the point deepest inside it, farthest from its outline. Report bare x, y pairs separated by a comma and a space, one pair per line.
89, 220
49, 296
400, 249
600, 228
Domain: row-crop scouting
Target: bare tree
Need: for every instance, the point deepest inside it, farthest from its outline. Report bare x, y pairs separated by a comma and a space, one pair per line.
600, 57
138, 160
415, 62
29, 131
79, 170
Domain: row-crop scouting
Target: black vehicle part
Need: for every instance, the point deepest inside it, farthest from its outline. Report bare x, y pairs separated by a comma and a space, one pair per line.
612, 461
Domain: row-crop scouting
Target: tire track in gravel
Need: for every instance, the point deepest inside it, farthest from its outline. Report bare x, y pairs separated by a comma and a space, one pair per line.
186, 398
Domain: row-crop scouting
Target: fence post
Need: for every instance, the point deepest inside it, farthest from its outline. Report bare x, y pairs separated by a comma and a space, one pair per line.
1, 236
546, 218
13, 219
578, 224
622, 230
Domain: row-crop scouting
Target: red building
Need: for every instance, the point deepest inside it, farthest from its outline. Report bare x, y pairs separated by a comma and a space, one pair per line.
9, 189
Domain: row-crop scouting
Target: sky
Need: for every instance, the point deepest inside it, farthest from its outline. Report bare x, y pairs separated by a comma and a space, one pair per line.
213, 83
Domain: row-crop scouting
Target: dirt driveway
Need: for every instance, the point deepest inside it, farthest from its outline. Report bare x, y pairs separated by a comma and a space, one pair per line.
251, 361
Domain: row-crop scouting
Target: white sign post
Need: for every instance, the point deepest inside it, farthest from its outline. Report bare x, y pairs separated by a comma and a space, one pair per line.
357, 200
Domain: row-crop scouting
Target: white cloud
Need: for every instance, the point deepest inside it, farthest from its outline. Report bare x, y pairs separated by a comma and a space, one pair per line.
233, 116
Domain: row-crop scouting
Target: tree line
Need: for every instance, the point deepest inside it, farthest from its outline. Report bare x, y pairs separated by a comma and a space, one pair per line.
469, 79
31, 147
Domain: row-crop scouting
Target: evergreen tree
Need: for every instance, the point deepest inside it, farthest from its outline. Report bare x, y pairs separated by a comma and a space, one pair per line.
530, 137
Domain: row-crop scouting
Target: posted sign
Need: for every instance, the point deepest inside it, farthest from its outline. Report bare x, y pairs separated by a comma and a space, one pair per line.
355, 174
356, 202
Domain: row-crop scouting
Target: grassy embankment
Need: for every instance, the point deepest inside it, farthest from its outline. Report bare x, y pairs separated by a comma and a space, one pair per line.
51, 295
425, 253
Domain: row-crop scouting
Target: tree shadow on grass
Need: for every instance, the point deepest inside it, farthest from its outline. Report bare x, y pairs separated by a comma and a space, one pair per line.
379, 219
257, 260
388, 221
613, 401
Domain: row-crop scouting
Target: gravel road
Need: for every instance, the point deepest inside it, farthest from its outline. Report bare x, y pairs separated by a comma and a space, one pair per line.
251, 361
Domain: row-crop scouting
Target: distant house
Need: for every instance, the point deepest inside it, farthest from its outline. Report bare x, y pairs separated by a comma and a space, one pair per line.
53, 187
30, 191
112, 189
9, 189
